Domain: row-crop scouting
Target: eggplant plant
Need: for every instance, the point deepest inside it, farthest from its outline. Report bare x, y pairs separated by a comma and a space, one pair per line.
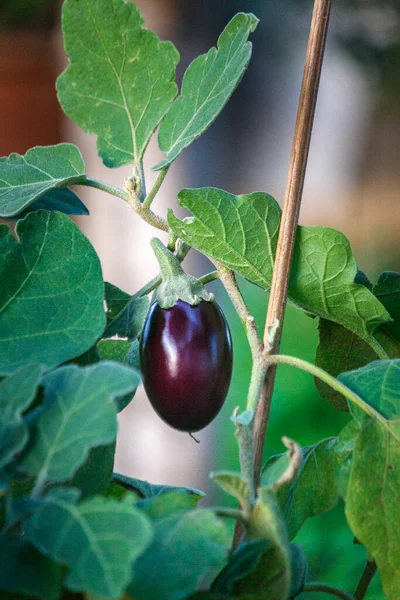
73, 349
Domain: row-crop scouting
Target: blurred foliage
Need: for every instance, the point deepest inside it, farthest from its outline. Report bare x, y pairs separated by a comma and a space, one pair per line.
27, 13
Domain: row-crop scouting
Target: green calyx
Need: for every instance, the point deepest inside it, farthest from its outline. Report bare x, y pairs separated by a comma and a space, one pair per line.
176, 284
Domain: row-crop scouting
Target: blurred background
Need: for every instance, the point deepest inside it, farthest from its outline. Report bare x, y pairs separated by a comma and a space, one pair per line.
352, 184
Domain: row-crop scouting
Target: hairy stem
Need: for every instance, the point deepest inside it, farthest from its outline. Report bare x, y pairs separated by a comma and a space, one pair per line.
365, 580
105, 187
154, 190
327, 589
290, 212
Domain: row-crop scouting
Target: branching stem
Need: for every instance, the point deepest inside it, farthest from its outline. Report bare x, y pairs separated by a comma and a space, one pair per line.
154, 190
365, 580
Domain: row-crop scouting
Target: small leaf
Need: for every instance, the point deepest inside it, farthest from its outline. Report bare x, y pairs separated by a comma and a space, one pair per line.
313, 490
25, 179
207, 86
24, 570
51, 298
98, 539
240, 565
271, 578
340, 350
234, 484
116, 299
118, 350
186, 546
242, 231
17, 391
144, 489
372, 479
129, 322
94, 476
298, 570
137, 84
78, 413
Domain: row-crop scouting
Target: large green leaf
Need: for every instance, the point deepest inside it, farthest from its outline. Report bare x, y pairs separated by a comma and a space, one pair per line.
118, 350
121, 79
94, 476
51, 297
78, 413
313, 490
63, 199
17, 391
25, 570
98, 539
25, 179
207, 86
340, 350
242, 562
242, 231
187, 545
373, 475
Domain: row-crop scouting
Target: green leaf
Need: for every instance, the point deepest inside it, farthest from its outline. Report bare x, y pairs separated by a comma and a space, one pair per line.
17, 391
271, 578
298, 571
242, 562
207, 86
372, 479
313, 490
51, 298
116, 299
144, 489
64, 200
340, 350
128, 323
24, 570
25, 179
121, 79
241, 232
94, 476
185, 548
98, 539
78, 413
170, 503
118, 350
234, 484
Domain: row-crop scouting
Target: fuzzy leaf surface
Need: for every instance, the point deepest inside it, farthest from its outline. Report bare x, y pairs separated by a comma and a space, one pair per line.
17, 391
187, 545
242, 231
51, 297
98, 539
78, 413
25, 570
373, 475
25, 179
207, 85
120, 80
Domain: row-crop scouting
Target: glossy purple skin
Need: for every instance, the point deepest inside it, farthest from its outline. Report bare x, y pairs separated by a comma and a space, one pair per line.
186, 360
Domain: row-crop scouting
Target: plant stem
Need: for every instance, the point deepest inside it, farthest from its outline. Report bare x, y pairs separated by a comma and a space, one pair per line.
105, 187
293, 361
157, 184
231, 513
290, 212
366, 578
327, 589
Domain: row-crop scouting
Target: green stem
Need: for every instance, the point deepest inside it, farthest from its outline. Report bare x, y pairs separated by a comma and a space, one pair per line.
105, 187
327, 589
154, 190
335, 384
155, 282
258, 373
